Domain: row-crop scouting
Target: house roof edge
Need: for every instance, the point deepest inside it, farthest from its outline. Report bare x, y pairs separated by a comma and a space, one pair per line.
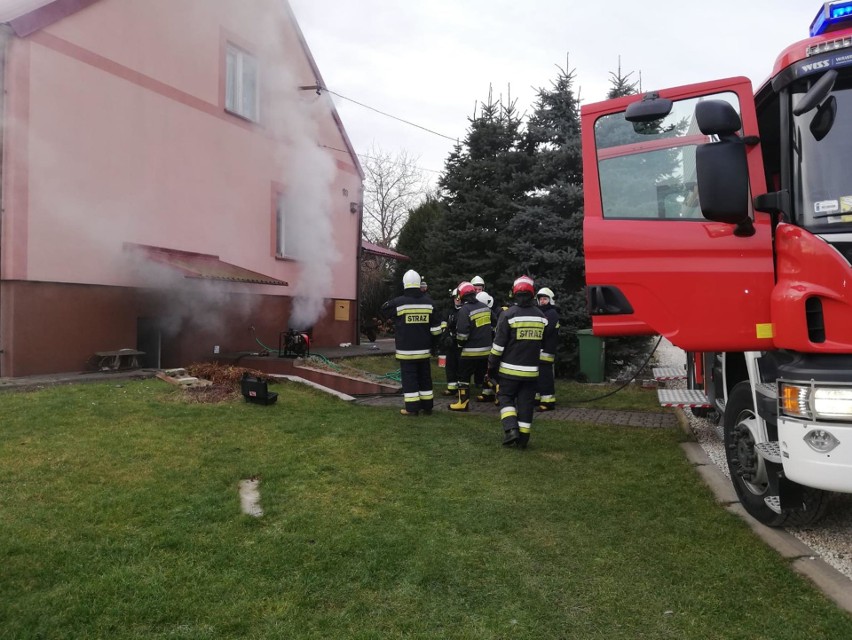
320, 83
31, 20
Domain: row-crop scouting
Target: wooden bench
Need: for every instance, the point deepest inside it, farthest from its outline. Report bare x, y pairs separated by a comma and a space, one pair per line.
121, 359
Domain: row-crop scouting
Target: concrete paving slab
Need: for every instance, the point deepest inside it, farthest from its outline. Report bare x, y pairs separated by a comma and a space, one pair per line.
785, 543
30, 383
595, 416
831, 582
709, 472
718, 483
695, 453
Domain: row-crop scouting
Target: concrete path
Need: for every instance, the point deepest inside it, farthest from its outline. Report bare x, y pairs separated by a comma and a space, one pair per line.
575, 414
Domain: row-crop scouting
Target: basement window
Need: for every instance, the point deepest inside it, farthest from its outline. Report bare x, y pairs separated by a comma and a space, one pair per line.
241, 83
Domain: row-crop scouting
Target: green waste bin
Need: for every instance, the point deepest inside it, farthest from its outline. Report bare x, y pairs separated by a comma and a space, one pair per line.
592, 355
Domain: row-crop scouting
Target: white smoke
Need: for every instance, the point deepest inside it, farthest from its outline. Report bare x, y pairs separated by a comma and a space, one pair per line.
308, 172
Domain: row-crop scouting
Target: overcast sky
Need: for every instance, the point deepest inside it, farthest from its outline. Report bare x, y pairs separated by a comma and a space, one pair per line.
429, 62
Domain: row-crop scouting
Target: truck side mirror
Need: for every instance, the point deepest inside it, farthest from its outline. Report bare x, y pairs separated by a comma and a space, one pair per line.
817, 93
721, 167
723, 183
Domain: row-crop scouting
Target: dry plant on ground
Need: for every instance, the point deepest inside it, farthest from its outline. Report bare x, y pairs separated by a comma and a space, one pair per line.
224, 374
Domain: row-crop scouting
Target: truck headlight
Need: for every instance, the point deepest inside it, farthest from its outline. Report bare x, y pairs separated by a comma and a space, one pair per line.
820, 440
833, 403
811, 402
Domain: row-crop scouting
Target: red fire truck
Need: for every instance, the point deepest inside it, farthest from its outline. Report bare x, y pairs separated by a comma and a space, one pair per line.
721, 219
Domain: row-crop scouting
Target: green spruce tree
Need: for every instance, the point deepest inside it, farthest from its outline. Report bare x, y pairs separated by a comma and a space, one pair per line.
485, 179
421, 221
620, 84
547, 231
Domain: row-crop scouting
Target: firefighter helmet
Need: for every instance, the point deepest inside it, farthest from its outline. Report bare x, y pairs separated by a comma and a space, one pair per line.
411, 279
477, 281
545, 291
465, 289
485, 298
524, 284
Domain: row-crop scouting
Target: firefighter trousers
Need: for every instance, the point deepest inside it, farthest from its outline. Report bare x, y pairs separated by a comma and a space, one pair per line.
453, 355
517, 402
472, 367
546, 384
417, 384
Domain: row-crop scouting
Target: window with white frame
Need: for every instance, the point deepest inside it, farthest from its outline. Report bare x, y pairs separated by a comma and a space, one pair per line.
285, 237
241, 83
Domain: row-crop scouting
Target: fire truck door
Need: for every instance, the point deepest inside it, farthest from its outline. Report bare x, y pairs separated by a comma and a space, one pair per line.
654, 264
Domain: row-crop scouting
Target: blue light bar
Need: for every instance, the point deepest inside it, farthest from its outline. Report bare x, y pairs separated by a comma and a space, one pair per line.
832, 16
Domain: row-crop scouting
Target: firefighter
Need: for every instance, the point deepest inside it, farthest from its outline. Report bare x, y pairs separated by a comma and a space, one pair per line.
473, 334
480, 372
514, 361
546, 383
449, 347
416, 329
480, 376
488, 301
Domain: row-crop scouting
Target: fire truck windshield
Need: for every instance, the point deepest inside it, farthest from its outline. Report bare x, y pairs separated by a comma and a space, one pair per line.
822, 160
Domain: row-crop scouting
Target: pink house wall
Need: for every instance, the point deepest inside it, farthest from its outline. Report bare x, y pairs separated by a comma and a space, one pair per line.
116, 132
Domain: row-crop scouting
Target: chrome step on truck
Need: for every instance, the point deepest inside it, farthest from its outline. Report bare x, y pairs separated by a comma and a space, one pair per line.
684, 398
692, 398
664, 374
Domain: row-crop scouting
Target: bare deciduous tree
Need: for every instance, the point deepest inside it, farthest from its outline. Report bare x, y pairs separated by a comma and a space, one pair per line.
393, 185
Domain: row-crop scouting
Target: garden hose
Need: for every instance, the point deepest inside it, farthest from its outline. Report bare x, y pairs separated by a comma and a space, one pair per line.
395, 376
607, 395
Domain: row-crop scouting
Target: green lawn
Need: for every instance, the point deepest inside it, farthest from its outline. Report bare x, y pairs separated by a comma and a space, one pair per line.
120, 518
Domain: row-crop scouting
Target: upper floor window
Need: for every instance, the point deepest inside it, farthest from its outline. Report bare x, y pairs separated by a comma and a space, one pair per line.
241, 83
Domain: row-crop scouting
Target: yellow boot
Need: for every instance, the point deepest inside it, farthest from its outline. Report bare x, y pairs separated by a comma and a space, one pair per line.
462, 402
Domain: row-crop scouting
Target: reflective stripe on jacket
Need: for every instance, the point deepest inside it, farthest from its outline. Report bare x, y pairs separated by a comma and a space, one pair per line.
415, 324
473, 329
517, 343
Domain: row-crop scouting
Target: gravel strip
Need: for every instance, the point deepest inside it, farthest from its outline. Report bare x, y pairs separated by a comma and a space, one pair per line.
830, 539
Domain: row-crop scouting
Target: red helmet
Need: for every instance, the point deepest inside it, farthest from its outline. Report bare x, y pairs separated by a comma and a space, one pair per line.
465, 288
524, 284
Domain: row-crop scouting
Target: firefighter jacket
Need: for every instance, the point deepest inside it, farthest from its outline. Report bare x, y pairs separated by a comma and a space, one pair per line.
551, 337
517, 343
448, 342
473, 329
416, 324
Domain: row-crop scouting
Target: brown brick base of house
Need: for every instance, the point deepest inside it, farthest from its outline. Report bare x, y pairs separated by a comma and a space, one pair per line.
48, 327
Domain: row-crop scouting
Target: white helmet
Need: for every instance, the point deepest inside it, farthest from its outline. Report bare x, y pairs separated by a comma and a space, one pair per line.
476, 280
485, 298
544, 291
411, 279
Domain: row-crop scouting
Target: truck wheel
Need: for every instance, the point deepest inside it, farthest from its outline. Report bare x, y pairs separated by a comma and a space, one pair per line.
748, 469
